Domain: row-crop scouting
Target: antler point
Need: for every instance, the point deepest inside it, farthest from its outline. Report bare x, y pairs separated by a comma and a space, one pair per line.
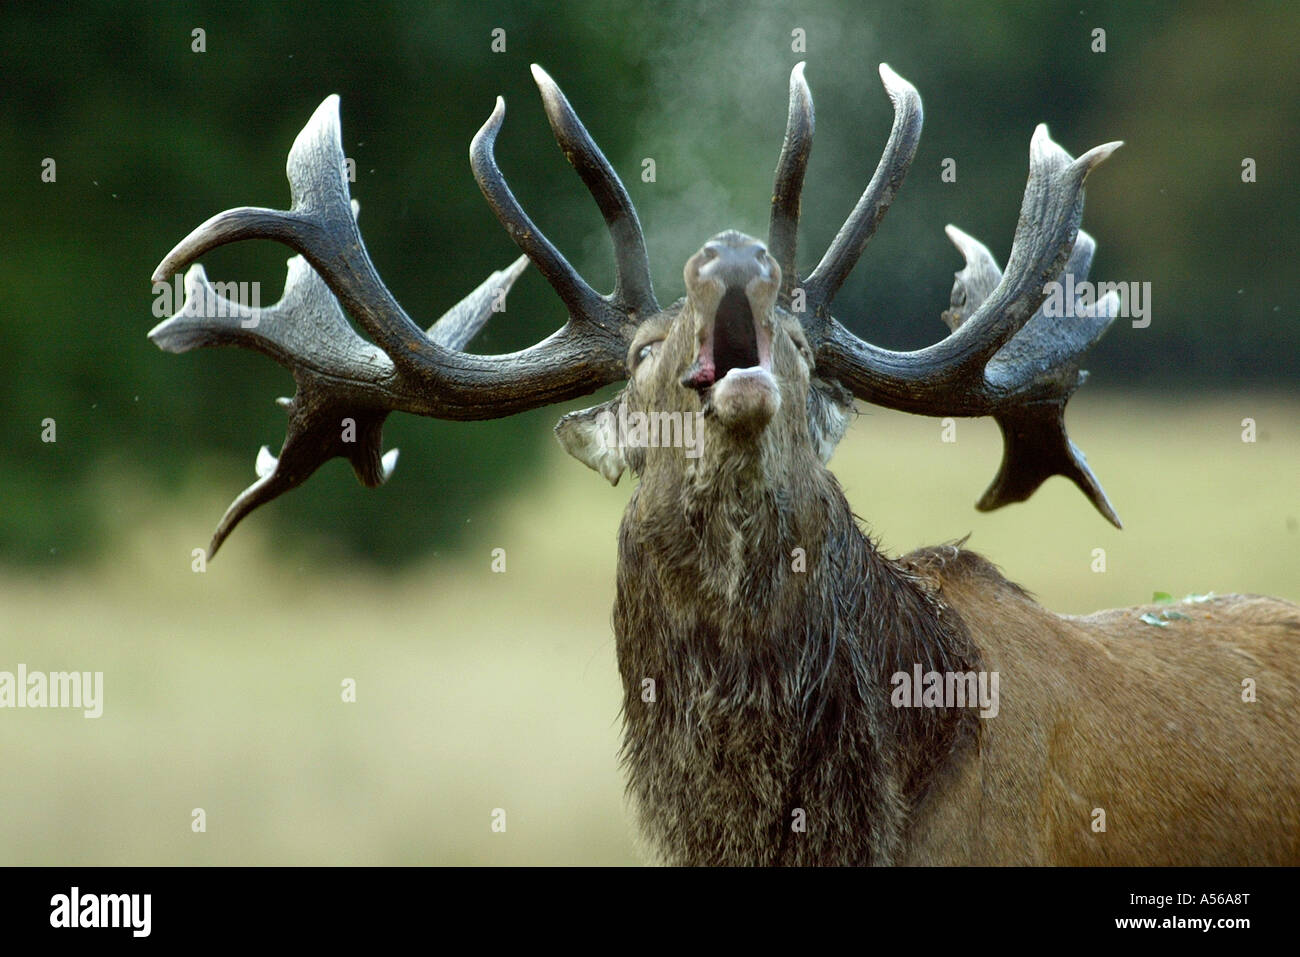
326, 115
1098, 155
895, 85
265, 463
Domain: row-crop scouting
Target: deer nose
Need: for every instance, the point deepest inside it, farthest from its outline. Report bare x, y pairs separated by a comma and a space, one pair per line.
735, 260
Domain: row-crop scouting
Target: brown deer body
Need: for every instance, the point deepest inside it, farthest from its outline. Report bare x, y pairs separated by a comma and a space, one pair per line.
766, 646
1102, 712
1145, 723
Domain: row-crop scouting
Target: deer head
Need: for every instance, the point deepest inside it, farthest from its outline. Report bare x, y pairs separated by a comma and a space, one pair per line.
751, 353
724, 379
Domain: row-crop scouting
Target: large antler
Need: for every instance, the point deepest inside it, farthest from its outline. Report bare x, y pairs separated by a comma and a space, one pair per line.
346, 386
1004, 356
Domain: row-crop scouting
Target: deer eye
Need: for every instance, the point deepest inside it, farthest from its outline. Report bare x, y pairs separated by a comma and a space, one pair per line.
646, 351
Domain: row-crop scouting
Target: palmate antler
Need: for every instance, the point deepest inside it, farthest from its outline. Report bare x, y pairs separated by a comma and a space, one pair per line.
1004, 357
346, 386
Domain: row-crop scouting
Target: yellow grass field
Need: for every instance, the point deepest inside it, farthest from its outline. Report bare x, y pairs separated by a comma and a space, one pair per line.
479, 691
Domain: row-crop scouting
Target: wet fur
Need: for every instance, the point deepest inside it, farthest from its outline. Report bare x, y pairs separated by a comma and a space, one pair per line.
771, 685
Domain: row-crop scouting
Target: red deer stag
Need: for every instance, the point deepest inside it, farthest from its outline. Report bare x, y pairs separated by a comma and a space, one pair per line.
772, 657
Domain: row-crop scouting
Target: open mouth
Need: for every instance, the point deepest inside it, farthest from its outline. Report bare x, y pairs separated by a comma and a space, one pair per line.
735, 336
732, 343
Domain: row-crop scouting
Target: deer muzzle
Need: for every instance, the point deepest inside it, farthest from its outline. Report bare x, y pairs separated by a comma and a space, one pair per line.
731, 288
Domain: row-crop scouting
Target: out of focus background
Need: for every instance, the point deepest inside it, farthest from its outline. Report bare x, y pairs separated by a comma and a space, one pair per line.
479, 690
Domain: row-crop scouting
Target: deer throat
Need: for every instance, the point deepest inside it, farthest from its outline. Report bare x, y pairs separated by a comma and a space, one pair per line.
756, 677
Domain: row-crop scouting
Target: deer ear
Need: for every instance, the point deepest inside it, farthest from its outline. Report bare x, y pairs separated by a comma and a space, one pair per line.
829, 408
591, 437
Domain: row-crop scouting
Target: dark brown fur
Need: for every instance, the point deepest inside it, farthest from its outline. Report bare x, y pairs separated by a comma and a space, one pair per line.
777, 698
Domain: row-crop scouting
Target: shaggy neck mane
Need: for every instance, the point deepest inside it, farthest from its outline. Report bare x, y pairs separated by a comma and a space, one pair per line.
770, 627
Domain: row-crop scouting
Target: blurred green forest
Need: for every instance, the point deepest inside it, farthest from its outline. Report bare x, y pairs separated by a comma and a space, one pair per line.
150, 138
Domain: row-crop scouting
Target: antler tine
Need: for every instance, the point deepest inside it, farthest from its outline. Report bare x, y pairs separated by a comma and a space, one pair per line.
947, 378
1040, 366
633, 288
825, 281
980, 277
341, 380
782, 233
320, 225
1034, 448
582, 301
458, 325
